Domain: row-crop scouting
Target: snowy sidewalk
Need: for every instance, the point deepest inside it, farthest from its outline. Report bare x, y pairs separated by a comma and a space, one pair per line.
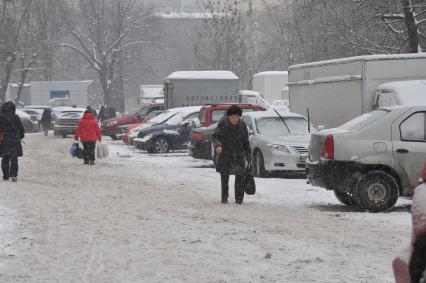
141, 218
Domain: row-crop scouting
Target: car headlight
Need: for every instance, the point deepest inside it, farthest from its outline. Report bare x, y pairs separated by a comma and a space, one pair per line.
278, 147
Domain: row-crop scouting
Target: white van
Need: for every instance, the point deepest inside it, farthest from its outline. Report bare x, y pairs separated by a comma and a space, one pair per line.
409, 93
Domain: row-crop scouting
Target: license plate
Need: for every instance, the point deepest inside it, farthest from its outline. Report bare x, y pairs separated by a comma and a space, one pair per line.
303, 158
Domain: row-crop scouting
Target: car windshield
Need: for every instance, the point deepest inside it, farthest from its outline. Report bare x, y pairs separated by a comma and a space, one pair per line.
163, 117
175, 120
363, 120
274, 126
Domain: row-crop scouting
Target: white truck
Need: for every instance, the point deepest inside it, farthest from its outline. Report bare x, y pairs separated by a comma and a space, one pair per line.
150, 94
272, 85
335, 91
192, 88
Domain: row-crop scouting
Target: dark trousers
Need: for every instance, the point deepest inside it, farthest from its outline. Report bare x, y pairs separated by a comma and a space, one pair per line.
238, 186
9, 166
89, 151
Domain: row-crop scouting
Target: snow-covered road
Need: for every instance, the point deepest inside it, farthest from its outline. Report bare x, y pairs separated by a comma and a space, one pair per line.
140, 218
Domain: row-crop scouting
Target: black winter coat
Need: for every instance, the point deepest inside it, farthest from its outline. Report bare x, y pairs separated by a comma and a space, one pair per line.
46, 118
234, 141
13, 132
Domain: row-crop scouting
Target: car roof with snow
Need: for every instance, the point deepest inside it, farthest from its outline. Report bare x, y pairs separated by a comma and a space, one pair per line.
269, 113
202, 75
412, 92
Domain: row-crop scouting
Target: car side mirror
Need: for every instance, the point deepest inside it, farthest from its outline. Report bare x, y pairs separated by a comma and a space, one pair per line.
185, 123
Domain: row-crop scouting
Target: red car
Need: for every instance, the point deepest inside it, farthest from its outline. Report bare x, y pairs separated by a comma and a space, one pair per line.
211, 113
110, 126
129, 129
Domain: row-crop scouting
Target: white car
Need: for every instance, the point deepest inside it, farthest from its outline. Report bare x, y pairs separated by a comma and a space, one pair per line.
373, 159
279, 142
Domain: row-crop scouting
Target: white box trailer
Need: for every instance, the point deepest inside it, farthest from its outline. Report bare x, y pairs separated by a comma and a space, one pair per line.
335, 91
271, 85
43, 91
192, 88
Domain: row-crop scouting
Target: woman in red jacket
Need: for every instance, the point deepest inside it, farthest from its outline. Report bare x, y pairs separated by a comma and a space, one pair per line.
88, 132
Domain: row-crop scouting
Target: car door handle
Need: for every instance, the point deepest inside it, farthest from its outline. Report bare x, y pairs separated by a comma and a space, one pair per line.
402, 150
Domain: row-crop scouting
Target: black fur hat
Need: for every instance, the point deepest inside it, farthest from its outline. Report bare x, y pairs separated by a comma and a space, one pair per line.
234, 110
8, 107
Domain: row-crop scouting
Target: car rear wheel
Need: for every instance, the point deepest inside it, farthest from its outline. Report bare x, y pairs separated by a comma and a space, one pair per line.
377, 191
160, 145
259, 164
114, 137
346, 198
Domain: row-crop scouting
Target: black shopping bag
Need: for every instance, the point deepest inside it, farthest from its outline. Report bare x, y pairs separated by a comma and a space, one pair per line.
249, 184
79, 153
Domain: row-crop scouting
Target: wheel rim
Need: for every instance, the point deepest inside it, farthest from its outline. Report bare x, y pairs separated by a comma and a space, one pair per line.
161, 146
377, 192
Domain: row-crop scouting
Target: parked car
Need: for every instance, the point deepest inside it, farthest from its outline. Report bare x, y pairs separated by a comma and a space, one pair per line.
31, 124
211, 113
124, 130
373, 159
110, 126
171, 135
160, 119
66, 123
201, 137
35, 115
279, 143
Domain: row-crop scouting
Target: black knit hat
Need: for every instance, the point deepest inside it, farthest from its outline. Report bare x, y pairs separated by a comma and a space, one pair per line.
234, 110
8, 107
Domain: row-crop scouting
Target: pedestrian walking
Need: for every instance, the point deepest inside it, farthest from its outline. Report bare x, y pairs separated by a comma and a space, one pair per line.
88, 132
103, 115
12, 132
46, 121
232, 148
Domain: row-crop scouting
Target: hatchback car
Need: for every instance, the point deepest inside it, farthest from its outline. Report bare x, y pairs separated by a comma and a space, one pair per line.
171, 135
66, 123
279, 142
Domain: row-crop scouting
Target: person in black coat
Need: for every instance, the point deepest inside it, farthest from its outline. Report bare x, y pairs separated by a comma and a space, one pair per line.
232, 148
46, 121
12, 132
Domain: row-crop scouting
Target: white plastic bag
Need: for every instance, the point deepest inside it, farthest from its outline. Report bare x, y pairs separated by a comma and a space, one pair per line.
102, 150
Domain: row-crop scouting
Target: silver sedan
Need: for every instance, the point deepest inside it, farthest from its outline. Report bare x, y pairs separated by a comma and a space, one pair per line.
279, 142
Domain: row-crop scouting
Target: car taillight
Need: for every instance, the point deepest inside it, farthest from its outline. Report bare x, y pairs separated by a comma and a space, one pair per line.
197, 137
328, 149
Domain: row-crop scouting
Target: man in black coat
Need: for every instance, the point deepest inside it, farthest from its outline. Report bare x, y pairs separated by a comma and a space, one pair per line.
232, 148
13, 132
46, 121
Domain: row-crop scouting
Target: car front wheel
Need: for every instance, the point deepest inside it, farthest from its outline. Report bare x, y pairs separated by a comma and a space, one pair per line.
259, 164
377, 191
160, 145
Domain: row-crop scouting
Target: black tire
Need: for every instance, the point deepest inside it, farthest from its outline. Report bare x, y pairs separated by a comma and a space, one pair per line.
346, 198
259, 164
114, 137
377, 191
160, 145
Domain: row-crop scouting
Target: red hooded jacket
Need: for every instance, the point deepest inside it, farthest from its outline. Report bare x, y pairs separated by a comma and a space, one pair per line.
88, 129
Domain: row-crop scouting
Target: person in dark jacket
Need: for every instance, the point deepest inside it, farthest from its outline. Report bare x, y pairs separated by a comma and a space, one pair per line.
232, 148
111, 112
46, 121
103, 115
12, 132
88, 132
